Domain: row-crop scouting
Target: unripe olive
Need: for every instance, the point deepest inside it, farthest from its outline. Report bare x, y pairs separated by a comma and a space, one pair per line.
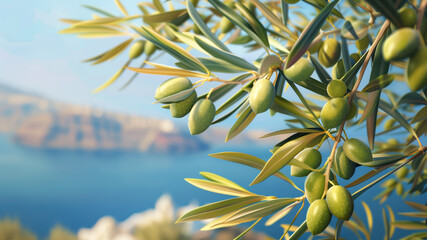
401, 44
393, 142
172, 86
340, 202
201, 116
399, 189
357, 151
416, 70
353, 110
338, 71
330, 52
136, 49
334, 112
314, 186
408, 16
389, 124
300, 71
389, 183
363, 43
149, 48
225, 25
336, 89
315, 48
182, 108
309, 156
342, 166
261, 96
318, 216
401, 173
291, 1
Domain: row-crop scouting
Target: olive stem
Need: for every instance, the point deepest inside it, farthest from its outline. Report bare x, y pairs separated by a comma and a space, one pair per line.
350, 99
421, 10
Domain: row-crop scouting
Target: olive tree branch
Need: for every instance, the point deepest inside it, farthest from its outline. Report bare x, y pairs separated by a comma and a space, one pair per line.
421, 10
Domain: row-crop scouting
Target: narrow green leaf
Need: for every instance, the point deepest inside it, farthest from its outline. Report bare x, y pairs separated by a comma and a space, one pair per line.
247, 230
368, 175
338, 229
379, 83
216, 178
284, 106
417, 206
218, 187
163, 16
233, 99
348, 77
285, 12
301, 97
284, 155
348, 31
293, 130
271, 17
321, 72
112, 79
410, 225
95, 9
309, 34
421, 115
369, 217
280, 214
254, 22
215, 65
227, 115
114, 52
412, 98
315, 86
387, 8
299, 232
242, 122
320, 4
381, 161
158, 5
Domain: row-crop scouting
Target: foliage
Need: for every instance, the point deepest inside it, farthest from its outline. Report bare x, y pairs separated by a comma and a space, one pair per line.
204, 39
60, 233
12, 230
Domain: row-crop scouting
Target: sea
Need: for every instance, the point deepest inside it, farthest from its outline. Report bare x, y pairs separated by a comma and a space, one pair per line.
74, 189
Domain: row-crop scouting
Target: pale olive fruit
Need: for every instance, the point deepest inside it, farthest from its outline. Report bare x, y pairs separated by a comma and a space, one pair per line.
318, 216
225, 25
201, 116
401, 173
389, 124
399, 189
416, 70
314, 186
182, 108
340, 202
261, 96
136, 49
309, 156
342, 166
353, 110
299, 71
334, 112
315, 48
330, 52
408, 16
149, 48
357, 151
172, 86
336, 89
363, 43
401, 44
390, 183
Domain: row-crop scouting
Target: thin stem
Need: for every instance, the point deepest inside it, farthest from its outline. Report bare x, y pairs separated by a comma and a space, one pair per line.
293, 220
421, 10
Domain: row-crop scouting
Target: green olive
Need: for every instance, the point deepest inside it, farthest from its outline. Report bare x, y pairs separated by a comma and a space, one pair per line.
336, 89
309, 156
201, 116
353, 111
355, 57
416, 70
340, 202
315, 48
401, 44
334, 112
389, 124
408, 16
149, 48
402, 173
225, 25
330, 52
314, 186
261, 96
357, 151
391, 183
291, 1
300, 71
182, 108
172, 86
363, 43
342, 166
136, 49
399, 189
318, 216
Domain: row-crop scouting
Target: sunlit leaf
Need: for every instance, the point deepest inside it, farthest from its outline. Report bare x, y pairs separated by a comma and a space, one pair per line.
412, 98
112, 79
421, 115
121, 7
242, 122
114, 51
280, 214
368, 213
379, 83
272, 18
218, 187
410, 225
164, 16
387, 8
167, 71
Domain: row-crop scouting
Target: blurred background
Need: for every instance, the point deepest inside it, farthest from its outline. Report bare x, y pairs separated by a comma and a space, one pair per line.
109, 165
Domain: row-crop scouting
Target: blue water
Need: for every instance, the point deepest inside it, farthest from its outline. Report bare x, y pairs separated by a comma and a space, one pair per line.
42, 188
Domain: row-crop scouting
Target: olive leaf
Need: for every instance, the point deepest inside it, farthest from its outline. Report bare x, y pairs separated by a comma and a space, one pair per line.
379, 83
242, 122
164, 16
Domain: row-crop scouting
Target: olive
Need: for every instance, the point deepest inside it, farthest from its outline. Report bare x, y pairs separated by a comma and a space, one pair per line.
391, 183
315, 48
363, 43
334, 112
136, 49
342, 166
389, 124
416, 70
401, 44
300, 71
340, 202
353, 110
291, 1
172, 86
149, 48
225, 25
201, 116
330, 52
309, 156
314, 186
401, 173
336, 89
399, 189
408, 16
182, 108
357, 151
318, 216
261, 96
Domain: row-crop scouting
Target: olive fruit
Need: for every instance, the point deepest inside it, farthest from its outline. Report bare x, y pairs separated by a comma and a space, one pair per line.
342, 166
353, 111
315, 48
330, 52
408, 16
172, 86
340, 202
399, 189
309, 156
314, 186
357, 151
362, 43
261, 96
401, 173
225, 25
334, 112
389, 124
336, 89
299, 71
318, 216
416, 70
390, 183
149, 48
291, 1
401, 44
182, 108
136, 49
201, 116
